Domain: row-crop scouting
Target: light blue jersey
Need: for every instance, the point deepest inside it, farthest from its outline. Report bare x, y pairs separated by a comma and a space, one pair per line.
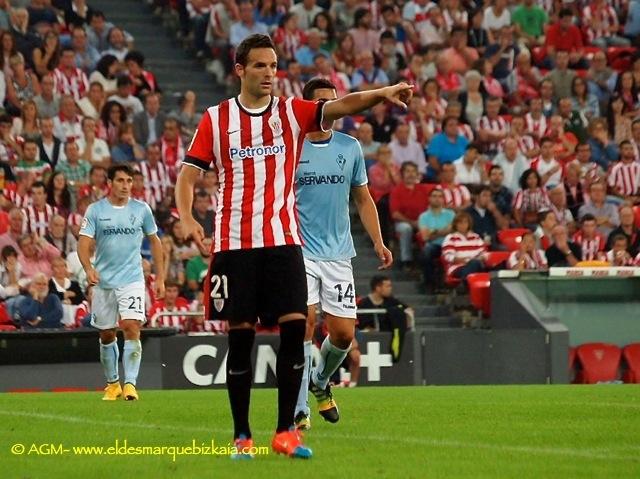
327, 172
118, 231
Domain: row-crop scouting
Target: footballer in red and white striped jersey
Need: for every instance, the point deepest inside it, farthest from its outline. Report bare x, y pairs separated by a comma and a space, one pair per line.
38, 218
458, 246
624, 176
255, 156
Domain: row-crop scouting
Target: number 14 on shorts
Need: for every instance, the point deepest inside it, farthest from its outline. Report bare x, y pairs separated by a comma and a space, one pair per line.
347, 294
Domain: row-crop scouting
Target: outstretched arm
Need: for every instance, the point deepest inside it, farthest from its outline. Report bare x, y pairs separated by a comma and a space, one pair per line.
354, 103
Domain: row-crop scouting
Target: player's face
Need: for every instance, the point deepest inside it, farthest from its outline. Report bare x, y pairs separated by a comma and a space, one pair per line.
258, 75
121, 185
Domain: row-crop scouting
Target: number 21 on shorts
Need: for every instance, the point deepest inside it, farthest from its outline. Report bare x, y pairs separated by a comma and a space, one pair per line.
219, 291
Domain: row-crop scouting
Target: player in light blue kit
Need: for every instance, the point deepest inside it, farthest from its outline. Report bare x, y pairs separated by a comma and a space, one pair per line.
331, 168
116, 226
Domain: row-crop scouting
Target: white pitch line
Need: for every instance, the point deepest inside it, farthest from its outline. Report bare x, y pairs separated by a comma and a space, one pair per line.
602, 454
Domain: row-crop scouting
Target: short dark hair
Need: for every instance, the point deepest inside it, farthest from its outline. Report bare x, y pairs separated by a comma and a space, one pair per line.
8, 251
625, 142
95, 168
68, 49
126, 169
620, 237
473, 146
545, 139
494, 167
587, 217
482, 189
408, 164
377, 280
201, 194
135, 56
30, 140
542, 215
257, 40
39, 184
123, 80
316, 84
566, 12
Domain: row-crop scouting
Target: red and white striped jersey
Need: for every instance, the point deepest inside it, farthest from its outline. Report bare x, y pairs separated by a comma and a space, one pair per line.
76, 84
255, 157
466, 131
536, 127
170, 321
289, 42
495, 125
38, 220
74, 219
588, 171
531, 200
626, 261
526, 143
289, 87
146, 196
457, 246
156, 179
456, 196
544, 166
592, 249
536, 261
598, 20
172, 156
636, 150
625, 177
11, 193
39, 169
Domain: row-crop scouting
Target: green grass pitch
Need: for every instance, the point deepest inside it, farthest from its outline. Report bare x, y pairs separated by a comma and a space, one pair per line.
399, 433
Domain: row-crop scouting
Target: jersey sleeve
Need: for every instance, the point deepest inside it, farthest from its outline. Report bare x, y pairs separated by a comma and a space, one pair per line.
308, 114
359, 177
148, 222
200, 151
88, 225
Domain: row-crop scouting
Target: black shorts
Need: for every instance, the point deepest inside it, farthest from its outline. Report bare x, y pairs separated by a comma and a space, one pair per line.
264, 283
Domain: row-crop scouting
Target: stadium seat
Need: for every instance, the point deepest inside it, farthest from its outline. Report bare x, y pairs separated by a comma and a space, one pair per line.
636, 215
495, 258
631, 355
599, 362
480, 292
511, 238
619, 58
450, 280
7, 327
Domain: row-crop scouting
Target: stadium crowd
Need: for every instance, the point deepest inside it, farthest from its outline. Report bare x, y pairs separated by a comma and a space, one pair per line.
525, 115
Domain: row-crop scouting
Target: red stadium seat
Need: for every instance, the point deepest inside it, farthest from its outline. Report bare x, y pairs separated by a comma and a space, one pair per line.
7, 327
449, 279
480, 292
636, 215
631, 355
590, 51
495, 258
538, 55
582, 73
599, 362
511, 238
619, 58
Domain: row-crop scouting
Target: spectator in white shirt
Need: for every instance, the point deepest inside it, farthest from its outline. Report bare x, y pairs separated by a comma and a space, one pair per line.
470, 169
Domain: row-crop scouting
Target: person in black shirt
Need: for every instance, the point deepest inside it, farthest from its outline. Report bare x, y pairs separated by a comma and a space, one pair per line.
202, 212
487, 218
627, 228
562, 252
381, 297
502, 196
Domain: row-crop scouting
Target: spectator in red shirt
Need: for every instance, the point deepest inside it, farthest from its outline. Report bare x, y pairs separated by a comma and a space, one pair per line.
406, 202
564, 35
172, 302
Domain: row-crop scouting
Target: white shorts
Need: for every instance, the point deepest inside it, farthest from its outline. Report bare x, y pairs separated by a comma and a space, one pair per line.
125, 301
331, 284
